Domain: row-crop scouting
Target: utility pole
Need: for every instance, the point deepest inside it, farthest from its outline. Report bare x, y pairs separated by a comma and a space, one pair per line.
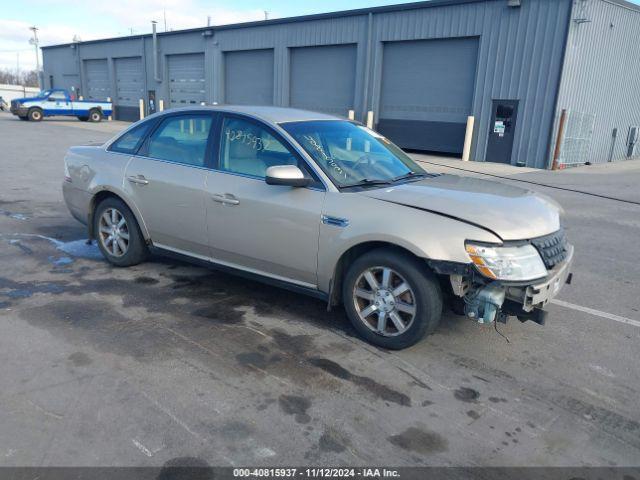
35, 42
164, 14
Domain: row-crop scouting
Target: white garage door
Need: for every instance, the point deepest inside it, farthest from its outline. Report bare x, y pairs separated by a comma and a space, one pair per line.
129, 81
249, 77
427, 92
186, 79
97, 72
323, 78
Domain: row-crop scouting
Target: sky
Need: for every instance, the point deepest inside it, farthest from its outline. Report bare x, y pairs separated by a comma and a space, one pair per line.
59, 21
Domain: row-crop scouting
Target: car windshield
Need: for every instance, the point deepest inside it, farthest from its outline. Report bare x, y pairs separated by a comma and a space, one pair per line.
353, 155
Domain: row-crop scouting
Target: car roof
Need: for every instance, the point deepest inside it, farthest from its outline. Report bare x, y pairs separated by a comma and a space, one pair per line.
268, 113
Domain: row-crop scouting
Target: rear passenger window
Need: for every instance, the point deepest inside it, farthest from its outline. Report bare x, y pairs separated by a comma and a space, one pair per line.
181, 139
130, 141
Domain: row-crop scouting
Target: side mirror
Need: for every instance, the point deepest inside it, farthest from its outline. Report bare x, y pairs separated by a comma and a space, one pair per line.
288, 175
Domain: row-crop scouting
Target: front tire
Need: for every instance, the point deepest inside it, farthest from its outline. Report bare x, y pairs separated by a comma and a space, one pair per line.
35, 115
391, 298
118, 234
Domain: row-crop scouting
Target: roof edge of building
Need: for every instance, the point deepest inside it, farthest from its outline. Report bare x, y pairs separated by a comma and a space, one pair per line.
284, 20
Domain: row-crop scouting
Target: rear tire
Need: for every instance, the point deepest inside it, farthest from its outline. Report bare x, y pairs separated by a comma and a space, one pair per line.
35, 115
397, 285
118, 234
95, 116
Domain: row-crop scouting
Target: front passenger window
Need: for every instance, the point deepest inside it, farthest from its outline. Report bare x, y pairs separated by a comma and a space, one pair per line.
249, 149
181, 139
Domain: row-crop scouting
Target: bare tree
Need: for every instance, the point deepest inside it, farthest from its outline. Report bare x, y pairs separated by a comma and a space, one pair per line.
28, 78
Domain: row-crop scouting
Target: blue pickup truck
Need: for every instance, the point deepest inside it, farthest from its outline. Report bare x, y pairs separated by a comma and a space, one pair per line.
58, 102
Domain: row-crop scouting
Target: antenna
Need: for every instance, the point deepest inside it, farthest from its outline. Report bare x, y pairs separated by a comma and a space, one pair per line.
164, 14
266, 15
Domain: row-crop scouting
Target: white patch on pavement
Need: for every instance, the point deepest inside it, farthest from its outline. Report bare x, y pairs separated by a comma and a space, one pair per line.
75, 248
142, 448
597, 313
265, 452
602, 371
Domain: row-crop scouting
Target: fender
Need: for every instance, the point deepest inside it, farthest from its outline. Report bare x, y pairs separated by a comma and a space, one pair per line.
101, 189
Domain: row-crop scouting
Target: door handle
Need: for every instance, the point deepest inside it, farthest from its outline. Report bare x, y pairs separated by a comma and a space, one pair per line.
138, 179
225, 199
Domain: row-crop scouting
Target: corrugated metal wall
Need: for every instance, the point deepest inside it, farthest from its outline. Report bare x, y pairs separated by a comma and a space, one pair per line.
602, 75
519, 57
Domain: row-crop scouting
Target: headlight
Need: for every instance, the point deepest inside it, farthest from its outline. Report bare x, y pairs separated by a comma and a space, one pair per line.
514, 264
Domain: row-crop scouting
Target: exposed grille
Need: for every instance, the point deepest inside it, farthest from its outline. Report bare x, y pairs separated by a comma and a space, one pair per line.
552, 248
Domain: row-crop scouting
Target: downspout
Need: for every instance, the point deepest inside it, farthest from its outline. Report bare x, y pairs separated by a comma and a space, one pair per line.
156, 73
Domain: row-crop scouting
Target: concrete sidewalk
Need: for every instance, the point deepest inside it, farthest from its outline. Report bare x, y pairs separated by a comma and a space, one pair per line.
617, 180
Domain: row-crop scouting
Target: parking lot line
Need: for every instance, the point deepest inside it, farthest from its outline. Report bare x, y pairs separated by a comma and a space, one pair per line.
597, 313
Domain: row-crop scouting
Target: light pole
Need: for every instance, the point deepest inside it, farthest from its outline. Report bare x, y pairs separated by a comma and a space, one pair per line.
34, 41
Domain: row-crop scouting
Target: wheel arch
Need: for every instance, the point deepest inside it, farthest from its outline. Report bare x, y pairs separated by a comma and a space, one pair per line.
354, 252
103, 194
35, 107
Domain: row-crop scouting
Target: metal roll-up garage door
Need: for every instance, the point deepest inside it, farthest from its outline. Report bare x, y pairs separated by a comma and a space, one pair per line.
249, 77
98, 87
186, 79
427, 92
129, 88
323, 78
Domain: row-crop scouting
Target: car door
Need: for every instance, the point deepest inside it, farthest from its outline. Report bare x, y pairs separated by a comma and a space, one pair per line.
166, 181
266, 229
58, 103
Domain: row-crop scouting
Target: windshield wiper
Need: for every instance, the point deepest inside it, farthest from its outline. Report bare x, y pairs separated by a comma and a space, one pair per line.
409, 175
368, 183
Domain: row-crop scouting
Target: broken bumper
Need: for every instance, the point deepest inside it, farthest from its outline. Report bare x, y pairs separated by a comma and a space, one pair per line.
496, 300
540, 294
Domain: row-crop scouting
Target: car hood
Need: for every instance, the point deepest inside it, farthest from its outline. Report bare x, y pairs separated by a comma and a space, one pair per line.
511, 213
27, 99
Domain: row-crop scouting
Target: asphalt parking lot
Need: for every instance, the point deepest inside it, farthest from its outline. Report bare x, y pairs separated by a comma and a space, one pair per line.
166, 362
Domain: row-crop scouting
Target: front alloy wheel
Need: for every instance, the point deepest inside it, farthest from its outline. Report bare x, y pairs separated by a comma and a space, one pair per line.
114, 232
385, 301
391, 298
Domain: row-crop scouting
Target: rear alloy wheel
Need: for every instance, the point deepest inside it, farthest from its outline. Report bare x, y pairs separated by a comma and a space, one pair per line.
114, 232
95, 116
35, 115
118, 234
391, 298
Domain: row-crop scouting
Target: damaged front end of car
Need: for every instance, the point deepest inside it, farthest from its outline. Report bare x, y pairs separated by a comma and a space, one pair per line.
511, 279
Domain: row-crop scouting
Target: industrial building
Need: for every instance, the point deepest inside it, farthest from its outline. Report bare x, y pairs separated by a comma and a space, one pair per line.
421, 68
